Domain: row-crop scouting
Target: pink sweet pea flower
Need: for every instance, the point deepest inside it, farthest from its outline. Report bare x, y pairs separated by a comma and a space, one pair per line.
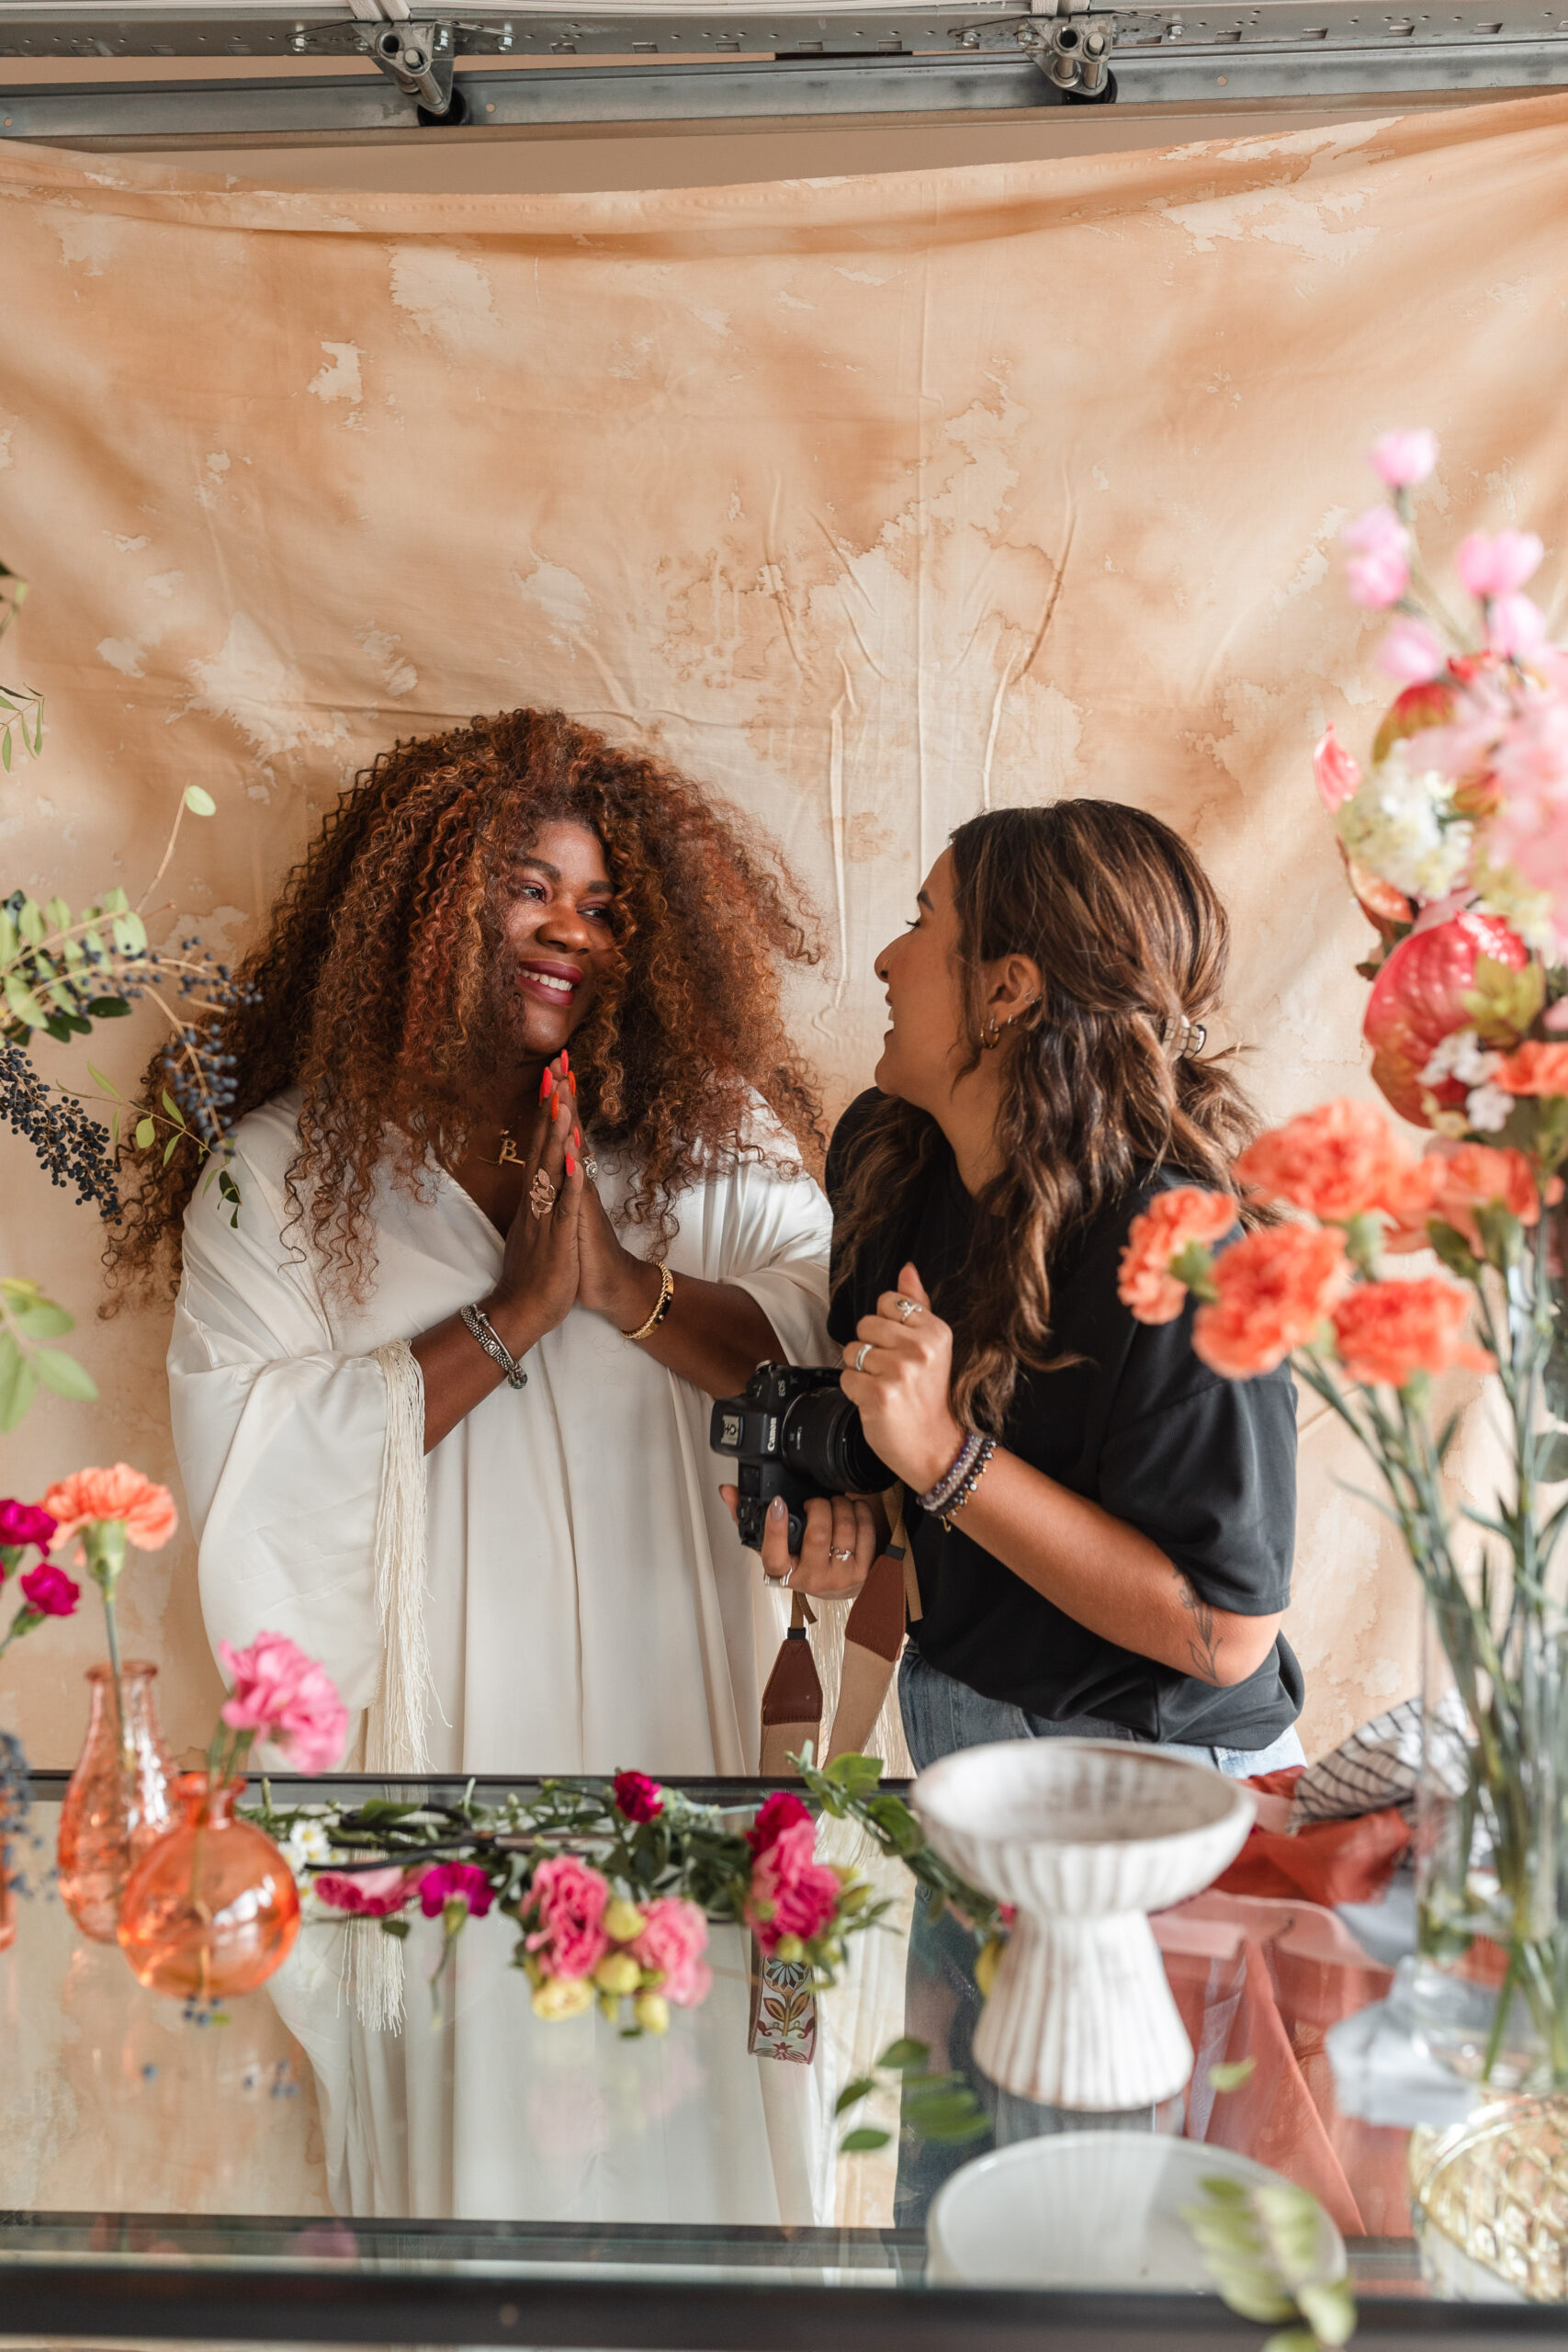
49, 1590
1379, 571
673, 1939
1516, 626
1402, 460
1497, 566
364, 1894
462, 1882
569, 1898
1337, 773
1411, 653
280, 1692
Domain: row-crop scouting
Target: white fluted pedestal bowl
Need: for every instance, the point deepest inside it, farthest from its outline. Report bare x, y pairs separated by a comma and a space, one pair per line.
1085, 1837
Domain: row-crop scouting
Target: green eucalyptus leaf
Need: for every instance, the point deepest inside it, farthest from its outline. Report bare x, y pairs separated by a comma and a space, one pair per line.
64, 1375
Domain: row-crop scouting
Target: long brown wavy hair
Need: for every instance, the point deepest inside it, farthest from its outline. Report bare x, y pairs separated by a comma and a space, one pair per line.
1132, 941
369, 991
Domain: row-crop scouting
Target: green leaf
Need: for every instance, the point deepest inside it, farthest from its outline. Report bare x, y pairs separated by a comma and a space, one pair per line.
18, 1383
114, 1130
1551, 1457
58, 914
22, 1004
1329, 2309
30, 922
39, 1318
146, 1134
1292, 2339
115, 901
862, 2139
1504, 1002
199, 803
5, 748
8, 940
858, 1775
170, 1148
99, 1080
64, 1375
108, 1008
396, 1928
903, 2056
853, 2092
1231, 2077
173, 1108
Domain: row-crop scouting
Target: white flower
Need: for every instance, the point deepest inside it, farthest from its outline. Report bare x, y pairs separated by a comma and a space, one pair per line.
1462, 1056
1486, 1108
1399, 822
307, 1842
1528, 911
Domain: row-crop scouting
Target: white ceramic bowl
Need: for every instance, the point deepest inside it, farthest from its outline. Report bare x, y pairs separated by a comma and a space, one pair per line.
1084, 1837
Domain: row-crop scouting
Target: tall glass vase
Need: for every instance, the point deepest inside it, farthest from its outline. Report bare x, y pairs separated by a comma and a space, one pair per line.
118, 1799
1491, 1989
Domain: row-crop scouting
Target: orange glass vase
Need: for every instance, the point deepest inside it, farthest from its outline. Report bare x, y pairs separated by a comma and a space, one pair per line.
118, 1802
211, 1909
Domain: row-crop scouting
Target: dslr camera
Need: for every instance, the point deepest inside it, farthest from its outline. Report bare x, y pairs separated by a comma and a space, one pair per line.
792, 1431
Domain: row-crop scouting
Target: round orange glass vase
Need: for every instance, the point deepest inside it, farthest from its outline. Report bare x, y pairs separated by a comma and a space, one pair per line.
211, 1909
118, 1802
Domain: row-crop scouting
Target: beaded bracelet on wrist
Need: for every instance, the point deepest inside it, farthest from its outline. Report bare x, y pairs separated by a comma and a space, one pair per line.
969, 1482
936, 1498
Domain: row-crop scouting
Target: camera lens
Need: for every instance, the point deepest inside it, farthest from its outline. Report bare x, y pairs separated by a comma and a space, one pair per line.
825, 1447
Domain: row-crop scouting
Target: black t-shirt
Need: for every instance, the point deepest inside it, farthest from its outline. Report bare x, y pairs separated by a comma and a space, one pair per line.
1204, 1467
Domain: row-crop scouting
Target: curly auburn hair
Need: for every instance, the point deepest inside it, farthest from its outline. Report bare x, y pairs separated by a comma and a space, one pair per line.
685, 1031
1101, 1080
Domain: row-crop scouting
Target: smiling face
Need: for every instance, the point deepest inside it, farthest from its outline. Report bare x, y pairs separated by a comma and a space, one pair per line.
557, 937
924, 1047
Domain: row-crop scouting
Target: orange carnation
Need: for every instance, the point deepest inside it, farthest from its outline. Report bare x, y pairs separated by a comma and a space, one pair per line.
1390, 1331
1335, 1161
1275, 1289
1170, 1223
1533, 1069
1453, 1184
121, 1493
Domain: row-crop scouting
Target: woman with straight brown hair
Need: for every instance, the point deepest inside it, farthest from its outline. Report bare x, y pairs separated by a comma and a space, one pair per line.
1101, 1528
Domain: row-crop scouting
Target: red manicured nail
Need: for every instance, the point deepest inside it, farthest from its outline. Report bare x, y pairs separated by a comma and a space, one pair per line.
547, 1085
577, 1137
571, 1080
571, 1165
565, 1058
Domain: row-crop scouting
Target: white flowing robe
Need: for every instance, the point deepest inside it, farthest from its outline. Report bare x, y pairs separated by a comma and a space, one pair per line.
586, 1602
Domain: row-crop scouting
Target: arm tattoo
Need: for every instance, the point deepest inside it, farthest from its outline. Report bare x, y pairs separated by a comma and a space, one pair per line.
1202, 1642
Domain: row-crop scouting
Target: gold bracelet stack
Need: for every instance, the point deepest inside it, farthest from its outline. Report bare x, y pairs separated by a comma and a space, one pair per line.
665, 1293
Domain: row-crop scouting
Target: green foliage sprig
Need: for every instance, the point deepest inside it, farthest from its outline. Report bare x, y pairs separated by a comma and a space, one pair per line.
28, 1322
1265, 2248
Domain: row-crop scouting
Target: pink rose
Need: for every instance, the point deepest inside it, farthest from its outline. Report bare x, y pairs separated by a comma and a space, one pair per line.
1411, 653
673, 1939
637, 1797
1379, 571
1515, 627
569, 1900
455, 1882
799, 1893
281, 1692
1337, 773
780, 1812
1495, 567
365, 1894
1402, 460
49, 1590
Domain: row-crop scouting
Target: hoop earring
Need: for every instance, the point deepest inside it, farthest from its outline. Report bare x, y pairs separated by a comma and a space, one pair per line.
991, 1036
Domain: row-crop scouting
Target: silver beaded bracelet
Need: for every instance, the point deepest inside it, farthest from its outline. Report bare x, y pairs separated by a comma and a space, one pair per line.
478, 1322
936, 1498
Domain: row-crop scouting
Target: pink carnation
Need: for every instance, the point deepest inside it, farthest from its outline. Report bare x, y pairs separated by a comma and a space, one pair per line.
800, 1894
1403, 459
1337, 1160
1275, 1288
673, 1939
281, 1692
448, 1882
1387, 1332
780, 1812
569, 1901
49, 1590
637, 1797
365, 1894
147, 1510
1173, 1221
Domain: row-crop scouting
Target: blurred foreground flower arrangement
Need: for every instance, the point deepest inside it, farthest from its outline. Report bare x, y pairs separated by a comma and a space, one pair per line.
1455, 843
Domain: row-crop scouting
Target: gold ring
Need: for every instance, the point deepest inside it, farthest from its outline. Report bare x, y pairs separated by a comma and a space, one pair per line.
541, 1194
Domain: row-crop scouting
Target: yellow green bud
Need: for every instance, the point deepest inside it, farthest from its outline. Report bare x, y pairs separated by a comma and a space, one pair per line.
562, 1996
653, 2012
790, 1948
623, 1921
617, 1972
986, 1965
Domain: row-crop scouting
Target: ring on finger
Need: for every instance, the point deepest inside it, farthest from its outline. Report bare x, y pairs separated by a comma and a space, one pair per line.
541, 1194
908, 1307
835, 1553
862, 1352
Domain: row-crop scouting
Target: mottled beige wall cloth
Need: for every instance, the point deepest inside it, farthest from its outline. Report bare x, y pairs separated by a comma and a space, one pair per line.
873, 502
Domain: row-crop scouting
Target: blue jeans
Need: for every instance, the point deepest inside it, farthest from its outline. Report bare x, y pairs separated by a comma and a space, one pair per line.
941, 1715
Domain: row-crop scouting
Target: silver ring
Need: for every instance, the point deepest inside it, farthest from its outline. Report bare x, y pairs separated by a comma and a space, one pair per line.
590, 1167
907, 1306
834, 1554
862, 1352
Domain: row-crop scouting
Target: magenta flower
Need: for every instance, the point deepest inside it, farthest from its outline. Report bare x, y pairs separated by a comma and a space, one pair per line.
799, 1893
673, 1939
1379, 571
780, 1812
637, 1797
1402, 460
1497, 566
569, 1901
283, 1694
455, 1882
1337, 773
49, 1590
1515, 627
1411, 653
365, 1894
23, 1523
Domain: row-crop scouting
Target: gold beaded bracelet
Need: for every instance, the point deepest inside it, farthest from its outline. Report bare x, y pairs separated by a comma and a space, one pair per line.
665, 1293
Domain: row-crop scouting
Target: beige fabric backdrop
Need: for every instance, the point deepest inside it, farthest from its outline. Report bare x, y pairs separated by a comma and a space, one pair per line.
874, 502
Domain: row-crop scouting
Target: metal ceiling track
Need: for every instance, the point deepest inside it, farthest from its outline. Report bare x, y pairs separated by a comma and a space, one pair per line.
708, 64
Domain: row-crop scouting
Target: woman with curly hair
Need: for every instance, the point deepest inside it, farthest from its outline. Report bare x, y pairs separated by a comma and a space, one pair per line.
518, 1179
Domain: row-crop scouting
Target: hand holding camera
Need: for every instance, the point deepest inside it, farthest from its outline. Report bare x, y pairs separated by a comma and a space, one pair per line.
898, 1371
